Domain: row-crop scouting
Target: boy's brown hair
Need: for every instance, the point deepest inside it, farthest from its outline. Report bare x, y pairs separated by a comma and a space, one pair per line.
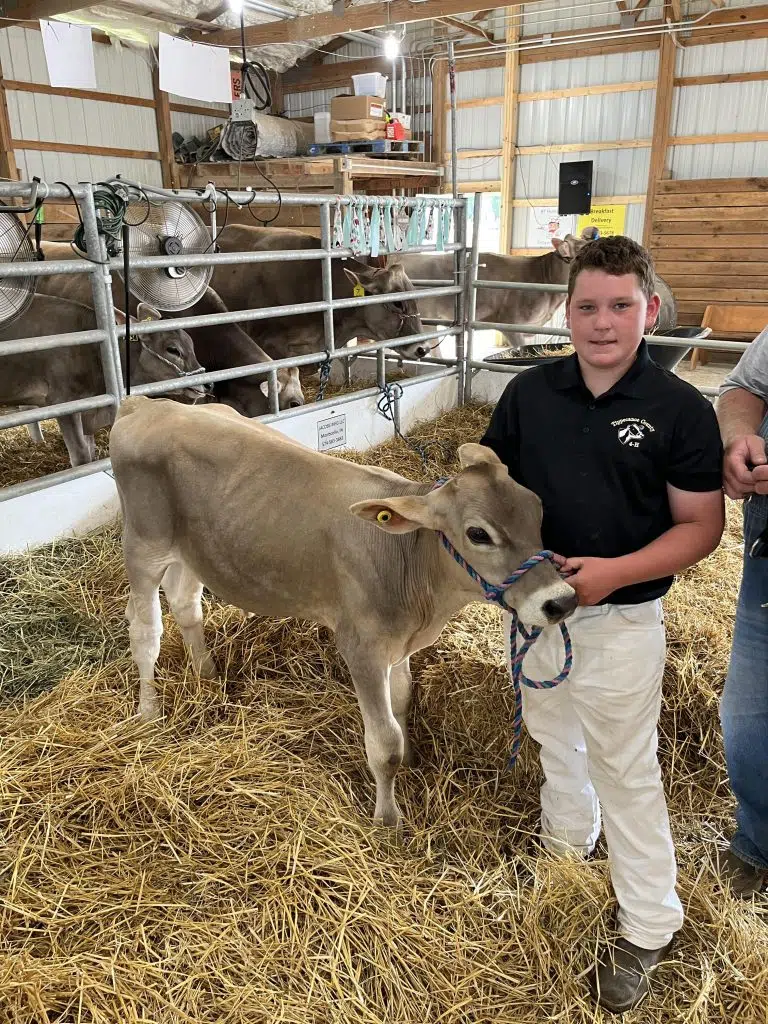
616, 255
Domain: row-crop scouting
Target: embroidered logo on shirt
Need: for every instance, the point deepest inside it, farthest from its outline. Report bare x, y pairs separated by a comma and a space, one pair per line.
631, 431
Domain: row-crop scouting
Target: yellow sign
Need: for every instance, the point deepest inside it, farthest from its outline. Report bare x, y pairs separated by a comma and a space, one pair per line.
609, 220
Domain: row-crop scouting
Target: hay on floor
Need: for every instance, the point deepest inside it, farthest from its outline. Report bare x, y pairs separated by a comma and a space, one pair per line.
223, 866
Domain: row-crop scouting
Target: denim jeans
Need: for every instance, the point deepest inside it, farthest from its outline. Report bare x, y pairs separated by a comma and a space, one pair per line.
744, 707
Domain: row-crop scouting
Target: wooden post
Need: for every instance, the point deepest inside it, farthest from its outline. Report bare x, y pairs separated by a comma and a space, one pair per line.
278, 99
164, 133
661, 128
8, 167
509, 131
439, 93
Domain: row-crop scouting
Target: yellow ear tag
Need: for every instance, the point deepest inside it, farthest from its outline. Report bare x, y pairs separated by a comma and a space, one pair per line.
384, 516
358, 291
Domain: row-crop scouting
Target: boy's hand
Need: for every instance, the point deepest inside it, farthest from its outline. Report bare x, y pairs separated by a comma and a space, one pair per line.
591, 578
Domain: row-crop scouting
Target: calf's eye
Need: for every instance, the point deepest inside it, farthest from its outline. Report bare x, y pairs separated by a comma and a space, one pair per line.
478, 535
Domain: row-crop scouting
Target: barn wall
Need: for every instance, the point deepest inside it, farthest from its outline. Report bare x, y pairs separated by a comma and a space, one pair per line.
36, 117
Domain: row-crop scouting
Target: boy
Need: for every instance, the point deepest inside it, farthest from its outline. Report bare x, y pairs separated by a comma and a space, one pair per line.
626, 459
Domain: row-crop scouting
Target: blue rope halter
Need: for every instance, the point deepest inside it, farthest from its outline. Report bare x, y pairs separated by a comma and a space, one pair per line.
517, 633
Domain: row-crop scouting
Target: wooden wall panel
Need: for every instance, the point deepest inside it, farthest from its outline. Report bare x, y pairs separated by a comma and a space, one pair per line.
709, 239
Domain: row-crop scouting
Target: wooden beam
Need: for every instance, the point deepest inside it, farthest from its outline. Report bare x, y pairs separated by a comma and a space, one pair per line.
725, 200
8, 167
331, 76
439, 92
724, 214
509, 130
587, 90
190, 108
355, 19
319, 55
701, 186
493, 185
472, 154
466, 27
78, 94
71, 147
596, 201
583, 147
33, 10
164, 132
661, 119
278, 96
738, 76
483, 101
699, 140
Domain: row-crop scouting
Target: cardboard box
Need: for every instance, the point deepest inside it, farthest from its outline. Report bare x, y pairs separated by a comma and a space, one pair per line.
355, 108
351, 131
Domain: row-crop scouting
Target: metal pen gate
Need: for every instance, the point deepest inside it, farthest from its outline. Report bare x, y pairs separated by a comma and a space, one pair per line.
108, 334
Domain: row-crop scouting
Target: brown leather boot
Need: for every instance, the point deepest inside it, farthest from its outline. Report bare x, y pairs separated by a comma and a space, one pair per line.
745, 881
620, 980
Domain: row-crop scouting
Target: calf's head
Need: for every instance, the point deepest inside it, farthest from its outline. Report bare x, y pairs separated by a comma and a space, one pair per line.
494, 523
164, 356
395, 319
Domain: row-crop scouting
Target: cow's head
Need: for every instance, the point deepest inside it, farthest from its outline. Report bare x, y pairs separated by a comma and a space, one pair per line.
494, 523
163, 356
389, 319
290, 395
566, 248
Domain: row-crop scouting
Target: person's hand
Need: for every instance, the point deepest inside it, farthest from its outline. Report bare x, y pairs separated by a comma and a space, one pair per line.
745, 468
591, 578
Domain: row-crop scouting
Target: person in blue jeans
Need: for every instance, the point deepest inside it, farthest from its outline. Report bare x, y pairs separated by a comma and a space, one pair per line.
741, 412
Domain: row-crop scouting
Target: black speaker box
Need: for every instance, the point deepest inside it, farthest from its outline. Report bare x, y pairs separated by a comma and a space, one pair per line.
575, 195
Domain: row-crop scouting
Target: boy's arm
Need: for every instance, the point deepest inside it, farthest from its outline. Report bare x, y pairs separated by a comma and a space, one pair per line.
699, 517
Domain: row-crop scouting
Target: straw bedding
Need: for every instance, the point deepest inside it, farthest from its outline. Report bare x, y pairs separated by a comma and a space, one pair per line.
223, 867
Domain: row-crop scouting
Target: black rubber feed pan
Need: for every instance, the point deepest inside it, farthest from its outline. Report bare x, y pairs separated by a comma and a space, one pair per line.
667, 356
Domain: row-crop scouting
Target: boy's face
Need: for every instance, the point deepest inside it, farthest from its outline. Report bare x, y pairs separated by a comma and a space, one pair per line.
608, 316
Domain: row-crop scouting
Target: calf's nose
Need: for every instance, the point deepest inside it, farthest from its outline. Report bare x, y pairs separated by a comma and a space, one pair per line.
421, 351
556, 610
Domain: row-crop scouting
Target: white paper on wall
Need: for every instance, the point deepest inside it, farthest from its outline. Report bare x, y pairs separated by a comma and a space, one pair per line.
195, 70
68, 54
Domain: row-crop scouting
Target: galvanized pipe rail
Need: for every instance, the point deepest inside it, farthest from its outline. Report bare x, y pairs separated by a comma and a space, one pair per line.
108, 334
474, 284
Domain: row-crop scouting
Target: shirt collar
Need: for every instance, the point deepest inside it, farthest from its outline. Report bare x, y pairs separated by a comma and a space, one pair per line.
566, 375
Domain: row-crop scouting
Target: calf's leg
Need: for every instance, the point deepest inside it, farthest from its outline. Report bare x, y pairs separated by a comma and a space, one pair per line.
81, 448
401, 689
184, 592
145, 629
383, 736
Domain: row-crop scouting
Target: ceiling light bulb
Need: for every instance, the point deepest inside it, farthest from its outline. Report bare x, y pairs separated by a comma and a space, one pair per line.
391, 46
236, 5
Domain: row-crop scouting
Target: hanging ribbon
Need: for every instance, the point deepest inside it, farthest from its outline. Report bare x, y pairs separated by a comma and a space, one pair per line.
375, 236
338, 226
389, 225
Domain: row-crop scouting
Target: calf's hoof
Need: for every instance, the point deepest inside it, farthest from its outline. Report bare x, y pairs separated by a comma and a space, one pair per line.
389, 817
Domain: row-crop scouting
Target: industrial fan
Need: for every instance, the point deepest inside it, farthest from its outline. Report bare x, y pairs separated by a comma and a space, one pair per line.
16, 293
169, 229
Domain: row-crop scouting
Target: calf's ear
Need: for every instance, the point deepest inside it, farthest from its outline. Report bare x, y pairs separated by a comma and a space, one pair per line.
396, 515
476, 454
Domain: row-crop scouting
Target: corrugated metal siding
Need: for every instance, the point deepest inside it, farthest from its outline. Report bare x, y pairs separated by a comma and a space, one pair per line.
608, 69
724, 58
195, 124
122, 70
604, 118
719, 109
63, 119
617, 172
479, 169
724, 160
71, 167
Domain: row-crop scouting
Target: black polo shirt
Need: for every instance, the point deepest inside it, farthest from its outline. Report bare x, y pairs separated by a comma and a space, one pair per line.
601, 465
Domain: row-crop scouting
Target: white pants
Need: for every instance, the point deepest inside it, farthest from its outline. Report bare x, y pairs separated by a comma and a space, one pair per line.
598, 736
